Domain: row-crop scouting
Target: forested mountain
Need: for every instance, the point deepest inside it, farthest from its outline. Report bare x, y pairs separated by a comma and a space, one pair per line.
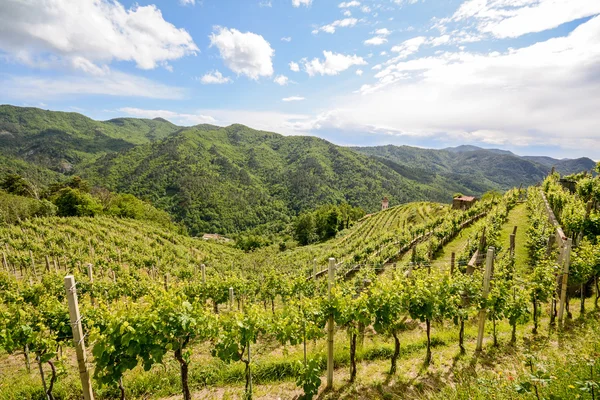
231, 179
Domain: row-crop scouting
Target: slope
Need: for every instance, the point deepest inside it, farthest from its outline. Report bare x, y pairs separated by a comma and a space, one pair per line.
477, 170
59, 140
234, 178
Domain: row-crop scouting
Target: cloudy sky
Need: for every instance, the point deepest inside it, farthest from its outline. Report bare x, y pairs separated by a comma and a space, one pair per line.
523, 75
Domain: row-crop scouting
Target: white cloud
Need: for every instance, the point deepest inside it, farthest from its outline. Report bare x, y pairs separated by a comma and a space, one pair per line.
365, 9
293, 98
340, 23
281, 80
375, 41
286, 39
109, 84
294, 66
174, 117
543, 94
298, 3
514, 18
333, 64
383, 53
347, 13
409, 46
244, 53
265, 3
214, 77
359, 72
186, 2
383, 32
440, 40
86, 33
348, 4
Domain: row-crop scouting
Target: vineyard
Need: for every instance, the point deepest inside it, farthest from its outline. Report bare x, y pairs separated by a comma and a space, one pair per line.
126, 309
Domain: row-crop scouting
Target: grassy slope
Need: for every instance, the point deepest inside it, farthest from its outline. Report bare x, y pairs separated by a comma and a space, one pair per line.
233, 178
517, 217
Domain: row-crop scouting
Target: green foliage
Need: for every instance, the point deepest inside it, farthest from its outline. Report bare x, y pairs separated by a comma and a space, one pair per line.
324, 223
17, 185
309, 378
75, 203
17, 208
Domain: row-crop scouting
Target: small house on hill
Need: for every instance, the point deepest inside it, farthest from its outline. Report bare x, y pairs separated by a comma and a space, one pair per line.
385, 203
463, 202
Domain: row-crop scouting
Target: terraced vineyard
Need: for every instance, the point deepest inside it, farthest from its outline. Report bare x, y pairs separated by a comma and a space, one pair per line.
156, 326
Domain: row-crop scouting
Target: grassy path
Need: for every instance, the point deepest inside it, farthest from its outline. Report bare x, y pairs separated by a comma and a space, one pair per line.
518, 218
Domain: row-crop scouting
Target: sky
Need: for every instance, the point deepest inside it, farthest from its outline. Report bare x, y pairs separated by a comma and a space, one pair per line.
522, 75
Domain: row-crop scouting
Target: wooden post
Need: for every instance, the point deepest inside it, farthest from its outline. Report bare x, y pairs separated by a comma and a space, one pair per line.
78, 338
203, 271
55, 266
452, 262
489, 265
249, 395
330, 327
549, 246
231, 300
512, 245
47, 264
565, 278
166, 281
4, 262
90, 273
315, 269
32, 265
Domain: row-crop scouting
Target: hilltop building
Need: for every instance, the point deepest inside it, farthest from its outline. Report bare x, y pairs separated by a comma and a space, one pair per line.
463, 202
385, 204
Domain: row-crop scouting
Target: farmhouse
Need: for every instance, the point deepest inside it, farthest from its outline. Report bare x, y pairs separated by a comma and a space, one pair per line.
385, 203
463, 202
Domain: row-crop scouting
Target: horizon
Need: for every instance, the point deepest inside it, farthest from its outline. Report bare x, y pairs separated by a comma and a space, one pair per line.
337, 144
520, 77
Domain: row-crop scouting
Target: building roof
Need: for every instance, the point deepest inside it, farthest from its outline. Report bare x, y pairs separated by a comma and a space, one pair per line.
465, 198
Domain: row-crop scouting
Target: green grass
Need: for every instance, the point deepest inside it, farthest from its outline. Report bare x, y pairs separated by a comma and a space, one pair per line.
517, 217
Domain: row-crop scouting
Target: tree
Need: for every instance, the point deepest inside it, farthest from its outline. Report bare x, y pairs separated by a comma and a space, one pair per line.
16, 184
74, 203
304, 229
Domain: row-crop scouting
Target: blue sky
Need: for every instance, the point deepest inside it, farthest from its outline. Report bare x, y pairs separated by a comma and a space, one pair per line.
523, 75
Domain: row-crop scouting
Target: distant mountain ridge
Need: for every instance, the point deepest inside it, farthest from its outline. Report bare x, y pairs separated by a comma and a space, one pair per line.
230, 179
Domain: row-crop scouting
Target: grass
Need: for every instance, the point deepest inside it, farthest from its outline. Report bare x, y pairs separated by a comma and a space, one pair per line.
517, 217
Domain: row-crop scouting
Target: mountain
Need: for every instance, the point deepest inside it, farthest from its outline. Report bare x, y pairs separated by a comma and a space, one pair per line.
467, 147
59, 140
478, 170
564, 166
231, 179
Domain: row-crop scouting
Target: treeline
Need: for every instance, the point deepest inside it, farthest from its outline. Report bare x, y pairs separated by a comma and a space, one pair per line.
21, 199
325, 222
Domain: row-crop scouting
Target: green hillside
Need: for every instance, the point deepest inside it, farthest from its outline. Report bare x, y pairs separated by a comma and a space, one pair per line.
234, 178
60, 140
231, 179
478, 170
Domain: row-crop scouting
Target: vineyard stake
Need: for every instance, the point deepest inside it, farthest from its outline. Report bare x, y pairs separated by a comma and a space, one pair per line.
452, 262
563, 292
231, 298
330, 327
489, 264
203, 270
33, 265
4, 262
78, 337
47, 264
90, 273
